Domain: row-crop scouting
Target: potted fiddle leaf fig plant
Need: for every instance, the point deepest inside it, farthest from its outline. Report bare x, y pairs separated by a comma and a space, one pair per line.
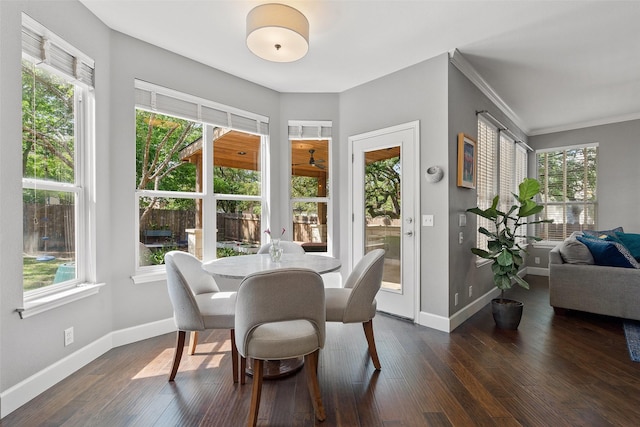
505, 248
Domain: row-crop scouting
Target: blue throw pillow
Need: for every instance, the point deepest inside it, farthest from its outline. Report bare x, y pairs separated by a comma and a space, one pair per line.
607, 253
632, 242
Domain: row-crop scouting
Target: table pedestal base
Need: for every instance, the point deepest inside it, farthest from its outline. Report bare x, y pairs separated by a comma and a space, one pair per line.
275, 369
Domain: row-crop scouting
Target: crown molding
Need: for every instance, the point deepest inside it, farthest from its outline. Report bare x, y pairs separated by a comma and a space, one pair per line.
465, 67
586, 124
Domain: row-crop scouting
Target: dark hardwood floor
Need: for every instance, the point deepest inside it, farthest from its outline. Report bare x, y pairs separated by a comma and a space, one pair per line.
571, 370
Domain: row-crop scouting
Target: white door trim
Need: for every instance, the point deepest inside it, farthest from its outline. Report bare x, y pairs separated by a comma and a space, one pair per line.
414, 126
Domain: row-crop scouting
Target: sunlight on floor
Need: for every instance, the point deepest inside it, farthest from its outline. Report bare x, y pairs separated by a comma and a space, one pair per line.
207, 355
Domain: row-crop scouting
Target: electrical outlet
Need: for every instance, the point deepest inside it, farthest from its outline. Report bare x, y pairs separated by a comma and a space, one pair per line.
470, 290
537, 260
455, 299
68, 336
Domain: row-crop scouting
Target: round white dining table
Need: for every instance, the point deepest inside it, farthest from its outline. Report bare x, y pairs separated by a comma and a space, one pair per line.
238, 267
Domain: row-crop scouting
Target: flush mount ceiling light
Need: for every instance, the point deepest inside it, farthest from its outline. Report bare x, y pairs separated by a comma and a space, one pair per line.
277, 33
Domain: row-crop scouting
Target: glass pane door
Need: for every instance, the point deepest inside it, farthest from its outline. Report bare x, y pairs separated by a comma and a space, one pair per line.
383, 211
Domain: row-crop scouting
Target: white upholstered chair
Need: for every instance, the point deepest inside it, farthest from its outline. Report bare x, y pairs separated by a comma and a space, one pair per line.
355, 302
198, 304
287, 248
280, 314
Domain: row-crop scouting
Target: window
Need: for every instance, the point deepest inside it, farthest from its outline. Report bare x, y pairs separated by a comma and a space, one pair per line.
568, 182
310, 196
486, 184
57, 120
502, 165
181, 191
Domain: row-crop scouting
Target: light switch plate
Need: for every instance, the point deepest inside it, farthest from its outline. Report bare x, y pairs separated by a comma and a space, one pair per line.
462, 220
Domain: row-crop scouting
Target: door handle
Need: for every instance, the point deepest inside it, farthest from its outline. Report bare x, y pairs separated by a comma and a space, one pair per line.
409, 233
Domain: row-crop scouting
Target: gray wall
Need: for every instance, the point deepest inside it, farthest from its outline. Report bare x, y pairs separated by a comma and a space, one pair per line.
30, 345
416, 93
464, 100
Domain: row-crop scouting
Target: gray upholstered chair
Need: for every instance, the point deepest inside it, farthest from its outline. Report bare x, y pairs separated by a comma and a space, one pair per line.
198, 304
287, 248
355, 302
280, 314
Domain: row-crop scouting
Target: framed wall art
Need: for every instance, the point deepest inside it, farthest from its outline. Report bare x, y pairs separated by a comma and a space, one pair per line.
467, 161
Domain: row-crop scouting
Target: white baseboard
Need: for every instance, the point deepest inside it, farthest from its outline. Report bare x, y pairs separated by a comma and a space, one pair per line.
469, 310
448, 324
21, 393
434, 321
538, 271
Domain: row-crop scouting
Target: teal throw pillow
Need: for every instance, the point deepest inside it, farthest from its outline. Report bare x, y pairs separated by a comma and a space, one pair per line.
608, 253
632, 242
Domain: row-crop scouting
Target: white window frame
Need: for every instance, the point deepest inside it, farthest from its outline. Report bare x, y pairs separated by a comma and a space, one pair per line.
162, 100
50, 52
301, 130
552, 243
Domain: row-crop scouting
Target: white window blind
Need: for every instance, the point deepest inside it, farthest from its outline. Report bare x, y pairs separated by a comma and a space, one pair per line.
520, 164
167, 101
309, 129
47, 48
507, 172
487, 174
502, 165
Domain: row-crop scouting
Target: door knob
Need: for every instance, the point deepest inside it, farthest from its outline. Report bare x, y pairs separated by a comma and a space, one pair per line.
409, 233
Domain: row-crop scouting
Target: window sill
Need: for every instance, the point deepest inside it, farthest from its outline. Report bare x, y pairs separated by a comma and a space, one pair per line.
49, 302
482, 262
149, 277
545, 244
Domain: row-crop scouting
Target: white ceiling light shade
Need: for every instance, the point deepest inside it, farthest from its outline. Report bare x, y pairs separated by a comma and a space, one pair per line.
277, 33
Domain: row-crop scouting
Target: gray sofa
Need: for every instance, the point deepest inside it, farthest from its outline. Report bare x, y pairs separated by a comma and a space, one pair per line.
576, 283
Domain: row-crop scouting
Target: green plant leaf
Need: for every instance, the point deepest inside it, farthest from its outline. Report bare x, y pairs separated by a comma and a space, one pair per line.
494, 246
496, 269
481, 253
488, 233
505, 258
488, 213
528, 188
517, 260
530, 208
502, 282
520, 281
496, 200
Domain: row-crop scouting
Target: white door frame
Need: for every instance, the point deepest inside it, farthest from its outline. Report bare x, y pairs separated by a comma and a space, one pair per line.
415, 127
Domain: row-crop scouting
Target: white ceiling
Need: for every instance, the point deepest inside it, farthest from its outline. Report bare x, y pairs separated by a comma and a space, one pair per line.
557, 64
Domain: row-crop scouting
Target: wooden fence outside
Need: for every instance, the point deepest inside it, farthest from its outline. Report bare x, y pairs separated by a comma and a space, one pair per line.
51, 229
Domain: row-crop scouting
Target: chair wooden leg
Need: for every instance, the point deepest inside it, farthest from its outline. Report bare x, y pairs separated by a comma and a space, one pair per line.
193, 342
243, 369
311, 369
234, 356
368, 332
258, 366
177, 354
